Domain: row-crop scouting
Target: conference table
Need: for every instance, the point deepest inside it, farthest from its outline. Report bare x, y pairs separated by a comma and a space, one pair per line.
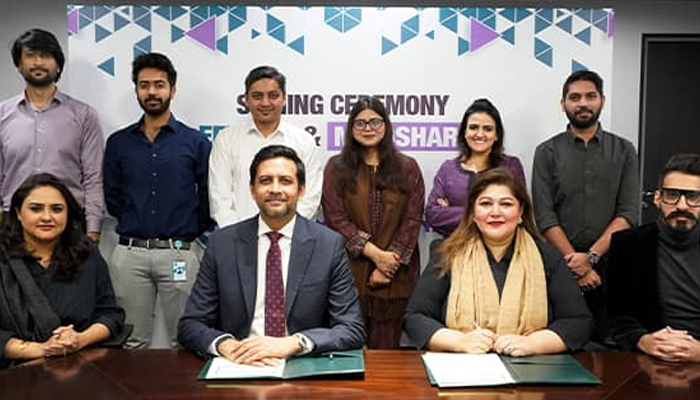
116, 374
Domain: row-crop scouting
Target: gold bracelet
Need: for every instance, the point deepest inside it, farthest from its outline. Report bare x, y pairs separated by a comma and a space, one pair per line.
23, 345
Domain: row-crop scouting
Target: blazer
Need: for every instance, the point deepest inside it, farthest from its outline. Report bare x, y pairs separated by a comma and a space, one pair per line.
321, 300
633, 292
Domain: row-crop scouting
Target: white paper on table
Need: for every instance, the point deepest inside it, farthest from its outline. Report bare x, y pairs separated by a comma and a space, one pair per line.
455, 369
222, 368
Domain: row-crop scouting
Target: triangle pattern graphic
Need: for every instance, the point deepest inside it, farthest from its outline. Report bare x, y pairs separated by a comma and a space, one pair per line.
297, 45
107, 66
119, 22
222, 44
462, 46
73, 21
204, 33
431, 35
509, 35
577, 66
101, 33
254, 33
387, 45
481, 35
565, 24
585, 36
176, 33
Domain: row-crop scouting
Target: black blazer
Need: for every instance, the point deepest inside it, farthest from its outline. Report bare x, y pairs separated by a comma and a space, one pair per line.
633, 306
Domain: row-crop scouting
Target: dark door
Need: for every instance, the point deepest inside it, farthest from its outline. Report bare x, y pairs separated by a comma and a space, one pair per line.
670, 106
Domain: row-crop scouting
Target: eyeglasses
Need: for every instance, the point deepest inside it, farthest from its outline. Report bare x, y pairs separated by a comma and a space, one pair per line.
673, 196
361, 124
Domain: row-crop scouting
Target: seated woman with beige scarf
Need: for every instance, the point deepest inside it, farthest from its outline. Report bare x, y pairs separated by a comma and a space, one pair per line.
494, 286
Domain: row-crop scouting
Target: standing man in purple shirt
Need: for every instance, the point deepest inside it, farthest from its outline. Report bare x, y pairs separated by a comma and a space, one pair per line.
155, 180
44, 130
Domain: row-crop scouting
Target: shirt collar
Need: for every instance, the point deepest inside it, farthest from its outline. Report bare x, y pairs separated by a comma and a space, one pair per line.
136, 126
58, 97
252, 129
286, 231
596, 138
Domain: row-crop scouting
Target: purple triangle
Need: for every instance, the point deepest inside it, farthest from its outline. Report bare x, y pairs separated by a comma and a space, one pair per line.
204, 33
481, 35
73, 21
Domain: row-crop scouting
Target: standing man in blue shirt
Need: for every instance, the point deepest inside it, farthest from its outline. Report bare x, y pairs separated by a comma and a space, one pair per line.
155, 183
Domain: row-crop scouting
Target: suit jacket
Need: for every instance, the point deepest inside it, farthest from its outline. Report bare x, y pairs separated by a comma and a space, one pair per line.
321, 300
633, 293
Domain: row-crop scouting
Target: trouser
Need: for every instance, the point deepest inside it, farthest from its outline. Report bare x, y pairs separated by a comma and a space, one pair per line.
597, 303
139, 275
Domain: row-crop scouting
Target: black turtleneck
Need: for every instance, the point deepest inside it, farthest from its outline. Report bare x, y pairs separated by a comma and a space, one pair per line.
679, 277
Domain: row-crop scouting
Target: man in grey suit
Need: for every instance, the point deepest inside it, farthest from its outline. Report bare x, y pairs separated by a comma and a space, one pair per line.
242, 308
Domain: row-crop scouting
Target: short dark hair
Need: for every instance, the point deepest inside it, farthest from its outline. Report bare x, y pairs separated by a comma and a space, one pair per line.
484, 106
263, 72
275, 151
72, 247
153, 60
42, 41
686, 163
583, 75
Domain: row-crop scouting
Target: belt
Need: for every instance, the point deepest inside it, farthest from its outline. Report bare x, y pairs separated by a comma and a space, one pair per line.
154, 243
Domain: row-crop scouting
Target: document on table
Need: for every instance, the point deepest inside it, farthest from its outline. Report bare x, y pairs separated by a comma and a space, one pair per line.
222, 368
459, 370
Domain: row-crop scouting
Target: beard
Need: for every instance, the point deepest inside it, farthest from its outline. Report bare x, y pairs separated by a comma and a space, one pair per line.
286, 209
579, 123
154, 111
42, 82
683, 225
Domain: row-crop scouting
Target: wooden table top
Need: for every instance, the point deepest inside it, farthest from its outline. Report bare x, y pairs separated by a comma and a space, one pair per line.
104, 374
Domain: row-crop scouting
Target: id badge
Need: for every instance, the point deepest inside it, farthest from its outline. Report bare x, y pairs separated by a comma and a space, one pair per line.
179, 271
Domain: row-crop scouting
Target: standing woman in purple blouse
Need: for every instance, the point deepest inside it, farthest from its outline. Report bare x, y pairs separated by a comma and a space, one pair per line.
373, 195
481, 148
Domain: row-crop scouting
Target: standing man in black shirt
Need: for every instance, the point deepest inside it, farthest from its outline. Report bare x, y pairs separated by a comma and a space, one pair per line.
155, 183
585, 187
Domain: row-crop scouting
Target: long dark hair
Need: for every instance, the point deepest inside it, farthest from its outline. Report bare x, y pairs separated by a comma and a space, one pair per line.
467, 229
72, 247
390, 171
484, 106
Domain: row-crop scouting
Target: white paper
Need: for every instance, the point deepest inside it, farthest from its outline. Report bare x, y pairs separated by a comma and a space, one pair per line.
455, 369
222, 368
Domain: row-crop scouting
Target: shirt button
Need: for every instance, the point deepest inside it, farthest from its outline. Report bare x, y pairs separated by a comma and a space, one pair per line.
153, 193
38, 150
154, 155
155, 174
153, 211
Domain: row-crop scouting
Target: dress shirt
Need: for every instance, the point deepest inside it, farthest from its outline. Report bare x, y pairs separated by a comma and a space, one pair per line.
229, 170
158, 189
583, 186
64, 139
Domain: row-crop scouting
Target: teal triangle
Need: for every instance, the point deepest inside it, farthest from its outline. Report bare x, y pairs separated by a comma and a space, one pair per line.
240, 12
144, 45
521, 14
508, 13
144, 22
546, 57
195, 21
222, 44
83, 21
254, 33
602, 24
585, 35
297, 45
431, 35
566, 24
176, 33
126, 10
585, 14
140, 11
100, 33
448, 19
560, 13
412, 23
387, 45
541, 46
217, 10
200, 11
119, 22
406, 34
177, 12
107, 66
541, 24
509, 35
88, 12
577, 66
163, 11
235, 22
275, 28
101, 11
462, 46
546, 14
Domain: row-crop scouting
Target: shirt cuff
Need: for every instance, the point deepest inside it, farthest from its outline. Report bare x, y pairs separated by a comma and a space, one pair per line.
212, 349
357, 243
307, 345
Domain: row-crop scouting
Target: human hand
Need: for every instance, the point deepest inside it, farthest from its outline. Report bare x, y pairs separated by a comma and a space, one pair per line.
477, 341
513, 345
378, 279
442, 202
578, 264
94, 236
670, 345
259, 350
65, 340
387, 262
589, 281
669, 375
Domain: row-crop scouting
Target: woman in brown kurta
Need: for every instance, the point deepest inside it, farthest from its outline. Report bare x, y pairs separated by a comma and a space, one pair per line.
373, 195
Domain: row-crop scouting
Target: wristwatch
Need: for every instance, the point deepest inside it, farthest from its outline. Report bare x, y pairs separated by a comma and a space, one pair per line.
593, 257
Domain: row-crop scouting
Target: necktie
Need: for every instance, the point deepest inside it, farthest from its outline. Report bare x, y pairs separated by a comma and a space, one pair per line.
274, 288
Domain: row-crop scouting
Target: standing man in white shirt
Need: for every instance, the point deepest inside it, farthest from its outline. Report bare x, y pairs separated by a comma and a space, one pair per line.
235, 147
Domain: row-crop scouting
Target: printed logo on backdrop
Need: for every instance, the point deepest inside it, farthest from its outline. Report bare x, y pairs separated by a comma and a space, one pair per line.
426, 64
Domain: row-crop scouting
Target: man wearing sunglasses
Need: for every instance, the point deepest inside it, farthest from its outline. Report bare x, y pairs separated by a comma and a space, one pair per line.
654, 274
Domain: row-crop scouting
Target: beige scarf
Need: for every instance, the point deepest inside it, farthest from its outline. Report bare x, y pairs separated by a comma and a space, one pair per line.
473, 298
